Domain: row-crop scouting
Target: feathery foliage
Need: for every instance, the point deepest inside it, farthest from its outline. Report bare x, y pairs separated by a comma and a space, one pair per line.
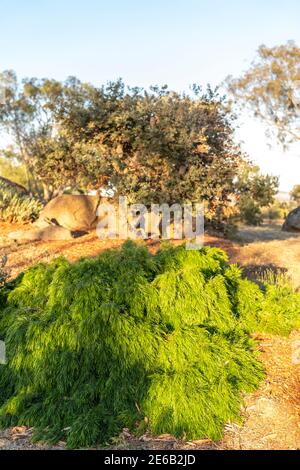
132, 339
275, 305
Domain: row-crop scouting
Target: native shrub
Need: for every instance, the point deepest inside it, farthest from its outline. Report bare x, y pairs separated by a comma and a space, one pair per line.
16, 207
129, 339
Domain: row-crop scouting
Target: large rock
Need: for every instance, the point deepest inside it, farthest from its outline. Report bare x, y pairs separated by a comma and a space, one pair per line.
71, 212
63, 218
292, 222
51, 232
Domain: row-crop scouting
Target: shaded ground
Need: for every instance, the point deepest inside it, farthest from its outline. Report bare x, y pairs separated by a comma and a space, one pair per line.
272, 414
264, 232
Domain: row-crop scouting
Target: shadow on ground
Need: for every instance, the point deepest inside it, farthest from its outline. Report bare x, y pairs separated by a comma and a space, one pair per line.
265, 232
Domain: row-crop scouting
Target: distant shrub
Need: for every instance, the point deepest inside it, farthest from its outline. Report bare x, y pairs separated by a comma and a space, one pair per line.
273, 213
16, 207
249, 212
131, 339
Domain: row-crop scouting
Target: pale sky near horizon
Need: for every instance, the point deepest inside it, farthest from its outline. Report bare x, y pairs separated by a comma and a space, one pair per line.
178, 42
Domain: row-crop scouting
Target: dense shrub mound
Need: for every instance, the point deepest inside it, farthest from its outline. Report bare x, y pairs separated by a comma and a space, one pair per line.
131, 339
17, 207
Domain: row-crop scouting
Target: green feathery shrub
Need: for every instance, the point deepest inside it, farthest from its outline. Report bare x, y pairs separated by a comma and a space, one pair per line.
274, 307
130, 339
17, 207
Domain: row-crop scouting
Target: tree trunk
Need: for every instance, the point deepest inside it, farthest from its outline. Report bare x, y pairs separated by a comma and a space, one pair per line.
47, 192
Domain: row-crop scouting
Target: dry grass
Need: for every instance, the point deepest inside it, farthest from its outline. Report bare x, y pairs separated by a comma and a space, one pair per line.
268, 247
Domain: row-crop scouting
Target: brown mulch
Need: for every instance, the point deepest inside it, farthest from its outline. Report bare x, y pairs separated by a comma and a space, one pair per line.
21, 255
19, 438
272, 414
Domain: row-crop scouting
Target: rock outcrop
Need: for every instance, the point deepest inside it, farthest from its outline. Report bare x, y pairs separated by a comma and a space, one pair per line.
292, 222
63, 218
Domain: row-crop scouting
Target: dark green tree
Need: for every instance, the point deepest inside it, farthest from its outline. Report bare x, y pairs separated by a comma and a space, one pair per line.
152, 146
255, 191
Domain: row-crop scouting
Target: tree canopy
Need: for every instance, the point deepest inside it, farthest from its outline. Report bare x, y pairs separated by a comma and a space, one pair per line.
151, 145
271, 89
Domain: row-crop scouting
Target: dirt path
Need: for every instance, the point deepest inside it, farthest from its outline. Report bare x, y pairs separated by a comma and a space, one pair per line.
272, 414
267, 247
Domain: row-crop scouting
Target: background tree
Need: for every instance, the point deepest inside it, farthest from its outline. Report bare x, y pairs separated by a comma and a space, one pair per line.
255, 191
157, 145
152, 146
295, 193
271, 89
11, 167
26, 114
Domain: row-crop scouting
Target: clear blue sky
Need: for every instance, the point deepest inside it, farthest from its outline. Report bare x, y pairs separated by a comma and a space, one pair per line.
176, 42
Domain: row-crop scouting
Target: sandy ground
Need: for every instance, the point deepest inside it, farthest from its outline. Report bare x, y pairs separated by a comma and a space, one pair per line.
272, 414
